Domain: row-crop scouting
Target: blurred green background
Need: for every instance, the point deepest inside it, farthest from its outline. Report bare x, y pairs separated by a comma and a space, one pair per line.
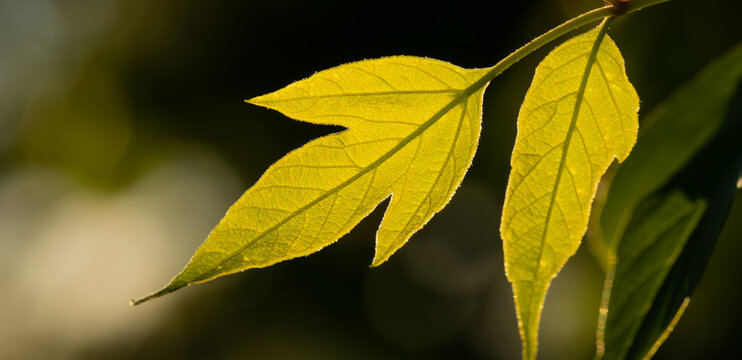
124, 138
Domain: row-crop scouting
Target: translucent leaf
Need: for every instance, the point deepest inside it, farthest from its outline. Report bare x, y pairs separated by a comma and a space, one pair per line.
579, 113
412, 124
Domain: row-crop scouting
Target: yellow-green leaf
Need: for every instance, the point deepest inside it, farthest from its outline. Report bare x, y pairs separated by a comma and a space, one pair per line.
579, 113
412, 128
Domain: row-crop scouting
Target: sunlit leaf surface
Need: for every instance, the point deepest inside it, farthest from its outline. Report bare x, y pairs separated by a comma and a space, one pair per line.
579, 113
412, 128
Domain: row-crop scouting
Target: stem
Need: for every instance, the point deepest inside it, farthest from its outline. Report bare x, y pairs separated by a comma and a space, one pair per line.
547, 37
570, 25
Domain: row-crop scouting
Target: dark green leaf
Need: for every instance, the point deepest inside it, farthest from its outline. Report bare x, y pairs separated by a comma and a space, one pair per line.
671, 233
677, 129
711, 176
653, 240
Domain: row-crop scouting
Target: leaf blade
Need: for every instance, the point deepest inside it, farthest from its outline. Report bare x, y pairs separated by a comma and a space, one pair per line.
550, 121
319, 192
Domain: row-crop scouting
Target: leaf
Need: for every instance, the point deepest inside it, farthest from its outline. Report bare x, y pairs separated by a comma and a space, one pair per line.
650, 287
654, 239
579, 113
413, 127
677, 129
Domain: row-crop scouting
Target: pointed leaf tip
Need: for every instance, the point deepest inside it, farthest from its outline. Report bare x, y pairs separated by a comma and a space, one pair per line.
171, 287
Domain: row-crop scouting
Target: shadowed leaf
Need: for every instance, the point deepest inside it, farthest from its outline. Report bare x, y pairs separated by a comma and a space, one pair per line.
676, 130
652, 243
670, 235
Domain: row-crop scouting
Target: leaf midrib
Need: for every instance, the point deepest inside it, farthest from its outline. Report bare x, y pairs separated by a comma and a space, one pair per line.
374, 93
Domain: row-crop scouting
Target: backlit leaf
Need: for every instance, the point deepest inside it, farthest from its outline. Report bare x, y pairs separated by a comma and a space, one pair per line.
579, 113
412, 124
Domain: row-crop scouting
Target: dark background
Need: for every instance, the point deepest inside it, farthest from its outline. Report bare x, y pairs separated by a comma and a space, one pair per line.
124, 138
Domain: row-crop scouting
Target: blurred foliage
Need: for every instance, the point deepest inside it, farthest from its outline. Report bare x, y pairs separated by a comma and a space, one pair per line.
674, 193
123, 138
